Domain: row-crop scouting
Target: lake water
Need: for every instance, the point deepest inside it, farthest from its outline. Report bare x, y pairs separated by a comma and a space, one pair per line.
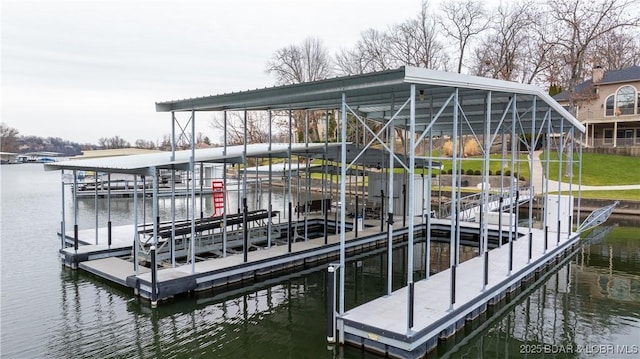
589, 308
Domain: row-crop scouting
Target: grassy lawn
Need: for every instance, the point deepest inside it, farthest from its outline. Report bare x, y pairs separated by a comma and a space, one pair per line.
495, 164
598, 169
631, 195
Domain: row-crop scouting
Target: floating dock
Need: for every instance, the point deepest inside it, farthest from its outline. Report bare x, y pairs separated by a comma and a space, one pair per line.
115, 263
375, 326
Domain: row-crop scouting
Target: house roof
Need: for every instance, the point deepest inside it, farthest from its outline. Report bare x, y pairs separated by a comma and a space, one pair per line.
610, 77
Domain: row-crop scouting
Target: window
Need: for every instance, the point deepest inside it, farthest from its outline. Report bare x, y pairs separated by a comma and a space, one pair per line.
608, 136
625, 100
610, 100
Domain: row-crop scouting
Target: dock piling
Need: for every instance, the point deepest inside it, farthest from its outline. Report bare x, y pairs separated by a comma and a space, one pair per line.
109, 233
546, 238
510, 257
486, 269
245, 229
154, 278
453, 286
381, 210
530, 247
331, 304
75, 237
289, 234
410, 304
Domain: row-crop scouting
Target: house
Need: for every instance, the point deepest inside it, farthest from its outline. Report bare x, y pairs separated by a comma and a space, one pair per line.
609, 106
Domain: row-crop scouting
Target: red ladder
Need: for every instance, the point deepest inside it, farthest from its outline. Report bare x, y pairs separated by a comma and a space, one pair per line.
218, 194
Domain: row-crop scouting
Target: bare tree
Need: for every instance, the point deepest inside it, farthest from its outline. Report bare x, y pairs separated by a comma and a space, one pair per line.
415, 42
350, 62
579, 24
371, 53
257, 129
8, 138
463, 19
502, 53
616, 50
538, 65
145, 144
308, 61
293, 64
113, 142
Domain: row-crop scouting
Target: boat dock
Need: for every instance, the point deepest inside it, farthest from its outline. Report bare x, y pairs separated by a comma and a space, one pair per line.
392, 132
438, 316
116, 263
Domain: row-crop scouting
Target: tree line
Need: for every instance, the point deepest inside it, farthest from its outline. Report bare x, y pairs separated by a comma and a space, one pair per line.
553, 44
11, 141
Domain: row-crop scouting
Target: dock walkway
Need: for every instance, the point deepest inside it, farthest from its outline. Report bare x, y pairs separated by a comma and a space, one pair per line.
376, 326
217, 272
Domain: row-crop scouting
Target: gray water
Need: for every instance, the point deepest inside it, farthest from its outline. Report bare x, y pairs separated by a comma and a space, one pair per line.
591, 305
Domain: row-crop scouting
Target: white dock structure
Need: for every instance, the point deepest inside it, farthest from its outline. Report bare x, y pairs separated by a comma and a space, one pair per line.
385, 121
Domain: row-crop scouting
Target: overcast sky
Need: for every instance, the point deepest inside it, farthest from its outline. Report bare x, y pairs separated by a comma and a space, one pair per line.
87, 69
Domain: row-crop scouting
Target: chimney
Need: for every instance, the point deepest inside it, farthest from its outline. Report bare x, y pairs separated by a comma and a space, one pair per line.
597, 74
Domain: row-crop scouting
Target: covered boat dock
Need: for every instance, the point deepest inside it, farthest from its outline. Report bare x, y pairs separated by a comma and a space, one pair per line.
398, 117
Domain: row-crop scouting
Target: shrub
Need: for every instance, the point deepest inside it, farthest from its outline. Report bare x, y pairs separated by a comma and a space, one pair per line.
447, 148
498, 172
490, 173
522, 178
471, 147
507, 173
449, 171
470, 172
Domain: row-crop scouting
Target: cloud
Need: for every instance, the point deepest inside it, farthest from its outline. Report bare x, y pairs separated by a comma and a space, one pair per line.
82, 70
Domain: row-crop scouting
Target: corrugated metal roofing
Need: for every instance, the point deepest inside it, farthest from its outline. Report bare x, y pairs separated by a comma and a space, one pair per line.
144, 164
374, 95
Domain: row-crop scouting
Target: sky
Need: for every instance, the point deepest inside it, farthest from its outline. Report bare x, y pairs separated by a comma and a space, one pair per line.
86, 69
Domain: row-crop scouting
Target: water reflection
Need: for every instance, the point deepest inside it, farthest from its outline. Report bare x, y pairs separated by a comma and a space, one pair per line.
589, 306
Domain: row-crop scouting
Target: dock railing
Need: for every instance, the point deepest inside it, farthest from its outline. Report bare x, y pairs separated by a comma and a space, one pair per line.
470, 202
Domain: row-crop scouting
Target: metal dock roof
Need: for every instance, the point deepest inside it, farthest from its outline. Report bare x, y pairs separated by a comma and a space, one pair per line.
378, 95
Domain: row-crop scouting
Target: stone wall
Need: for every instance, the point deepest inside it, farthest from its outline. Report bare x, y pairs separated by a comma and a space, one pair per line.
474, 181
623, 151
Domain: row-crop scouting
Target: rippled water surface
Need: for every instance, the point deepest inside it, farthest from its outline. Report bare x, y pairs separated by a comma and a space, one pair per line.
591, 305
